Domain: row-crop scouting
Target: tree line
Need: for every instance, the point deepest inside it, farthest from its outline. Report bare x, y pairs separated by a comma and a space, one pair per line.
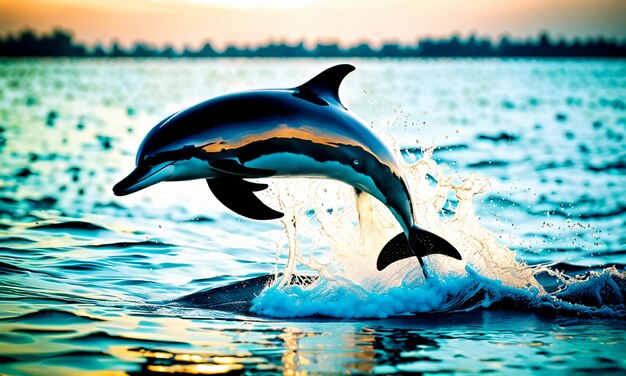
60, 43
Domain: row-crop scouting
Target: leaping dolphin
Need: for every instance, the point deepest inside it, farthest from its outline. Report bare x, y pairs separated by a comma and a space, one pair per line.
302, 131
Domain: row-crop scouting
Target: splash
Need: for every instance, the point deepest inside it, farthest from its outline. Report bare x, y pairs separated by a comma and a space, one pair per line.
344, 234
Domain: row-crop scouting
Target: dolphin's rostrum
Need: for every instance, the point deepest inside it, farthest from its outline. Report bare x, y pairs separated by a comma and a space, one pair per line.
303, 131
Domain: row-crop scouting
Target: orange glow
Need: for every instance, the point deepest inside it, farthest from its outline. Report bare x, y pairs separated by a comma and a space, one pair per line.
282, 131
193, 22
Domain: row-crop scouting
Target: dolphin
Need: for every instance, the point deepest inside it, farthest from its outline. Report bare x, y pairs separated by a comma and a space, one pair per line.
301, 131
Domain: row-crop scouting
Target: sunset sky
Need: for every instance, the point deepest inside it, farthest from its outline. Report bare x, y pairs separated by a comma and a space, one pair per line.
249, 22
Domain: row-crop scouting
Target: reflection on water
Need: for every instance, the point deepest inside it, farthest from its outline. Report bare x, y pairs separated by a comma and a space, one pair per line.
93, 283
480, 342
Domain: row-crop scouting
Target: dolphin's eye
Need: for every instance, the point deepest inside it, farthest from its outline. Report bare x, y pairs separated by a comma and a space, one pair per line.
356, 161
153, 160
149, 161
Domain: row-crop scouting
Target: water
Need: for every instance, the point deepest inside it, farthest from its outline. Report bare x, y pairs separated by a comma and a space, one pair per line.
519, 163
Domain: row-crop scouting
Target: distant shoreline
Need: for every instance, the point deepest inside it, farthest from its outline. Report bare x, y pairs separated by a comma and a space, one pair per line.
251, 58
60, 43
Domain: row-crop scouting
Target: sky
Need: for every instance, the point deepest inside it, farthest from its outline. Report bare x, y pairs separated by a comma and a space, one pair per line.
251, 22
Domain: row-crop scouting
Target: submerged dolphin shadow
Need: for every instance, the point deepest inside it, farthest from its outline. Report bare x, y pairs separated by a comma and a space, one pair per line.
237, 297
302, 131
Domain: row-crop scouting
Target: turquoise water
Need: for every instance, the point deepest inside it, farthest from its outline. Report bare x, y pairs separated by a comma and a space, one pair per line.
520, 164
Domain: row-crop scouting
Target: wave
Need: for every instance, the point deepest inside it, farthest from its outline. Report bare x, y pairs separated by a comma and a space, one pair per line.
51, 316
102, 336
594, 294
70, 226
599, 295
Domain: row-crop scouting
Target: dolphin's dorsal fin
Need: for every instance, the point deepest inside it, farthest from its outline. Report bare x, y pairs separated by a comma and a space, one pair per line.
326, 84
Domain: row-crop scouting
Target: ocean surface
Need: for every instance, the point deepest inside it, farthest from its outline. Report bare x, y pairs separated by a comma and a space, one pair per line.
520, 164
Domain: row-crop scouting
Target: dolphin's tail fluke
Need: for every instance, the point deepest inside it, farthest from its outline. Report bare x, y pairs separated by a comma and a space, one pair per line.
422, 243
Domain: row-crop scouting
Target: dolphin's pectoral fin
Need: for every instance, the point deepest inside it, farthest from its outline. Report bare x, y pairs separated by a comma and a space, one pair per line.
395, 250
234, 168
423, 243
326, 84
237, 195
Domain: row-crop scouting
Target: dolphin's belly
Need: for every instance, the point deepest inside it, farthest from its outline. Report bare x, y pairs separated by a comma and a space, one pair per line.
288, 164
193, 169
300, 165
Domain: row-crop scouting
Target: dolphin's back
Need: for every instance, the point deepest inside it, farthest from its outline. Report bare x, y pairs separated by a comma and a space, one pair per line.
240, 116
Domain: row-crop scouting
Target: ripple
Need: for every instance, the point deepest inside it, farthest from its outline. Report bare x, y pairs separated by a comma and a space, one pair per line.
6, 268
144, 245
7, 359
490, 163
501, 137
16, 240
70, 225
82, 266
52, 317
619, 166
99, 337
43, 331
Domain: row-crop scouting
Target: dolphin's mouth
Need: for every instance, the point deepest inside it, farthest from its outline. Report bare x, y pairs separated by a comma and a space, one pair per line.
143, 177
